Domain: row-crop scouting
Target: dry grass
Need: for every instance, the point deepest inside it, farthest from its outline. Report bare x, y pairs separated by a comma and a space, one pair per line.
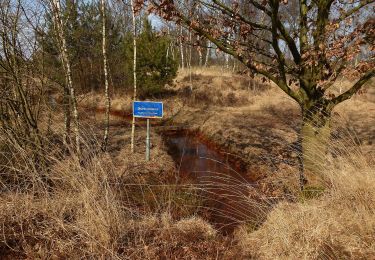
337, 225
87, 211
216, 87
94, 206
116, 206
96, 100
60, 208
159, 237
215, 71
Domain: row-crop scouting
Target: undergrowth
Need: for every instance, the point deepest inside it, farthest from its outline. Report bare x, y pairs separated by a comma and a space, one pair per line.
59, 205
56, 204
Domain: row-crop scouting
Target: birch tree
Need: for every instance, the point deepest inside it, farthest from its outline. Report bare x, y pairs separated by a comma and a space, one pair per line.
65, 61
181, 48
190, 50
106, 84
208, 53
134, 71
200, 55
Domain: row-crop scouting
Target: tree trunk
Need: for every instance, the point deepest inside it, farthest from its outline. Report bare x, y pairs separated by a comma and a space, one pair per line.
105, 67
172, 50
190, 49
134, 74
207, 53
67, 115
200, 57
314, 141
226, 56
199, 49
182, 50
67, 68
169, 48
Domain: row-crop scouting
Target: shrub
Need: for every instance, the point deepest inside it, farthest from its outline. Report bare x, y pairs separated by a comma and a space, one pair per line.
155, 68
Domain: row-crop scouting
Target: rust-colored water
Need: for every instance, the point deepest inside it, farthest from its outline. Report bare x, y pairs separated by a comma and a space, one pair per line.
220, 177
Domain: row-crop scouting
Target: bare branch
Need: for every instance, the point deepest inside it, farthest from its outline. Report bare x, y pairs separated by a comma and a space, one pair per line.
355, 88
230, 12
362, 4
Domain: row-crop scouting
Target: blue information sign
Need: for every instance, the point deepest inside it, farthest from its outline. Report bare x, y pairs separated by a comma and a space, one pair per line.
148, 109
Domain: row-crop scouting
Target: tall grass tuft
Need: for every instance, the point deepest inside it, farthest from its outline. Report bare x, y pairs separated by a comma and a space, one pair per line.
55, 204
335, 223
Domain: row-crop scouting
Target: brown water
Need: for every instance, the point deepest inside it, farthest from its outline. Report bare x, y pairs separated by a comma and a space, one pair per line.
221, 177
222, 180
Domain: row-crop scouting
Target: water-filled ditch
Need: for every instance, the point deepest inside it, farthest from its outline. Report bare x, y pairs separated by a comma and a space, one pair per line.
219, 176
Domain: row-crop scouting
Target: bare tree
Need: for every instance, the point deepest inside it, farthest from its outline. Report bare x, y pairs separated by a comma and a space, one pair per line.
200, 55
181, 49
134, 70
208, 53
190, 50
20, 89
64, 56
106, 84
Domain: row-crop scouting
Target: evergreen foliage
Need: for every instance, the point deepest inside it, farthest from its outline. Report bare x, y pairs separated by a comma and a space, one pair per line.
84, 41
155, 68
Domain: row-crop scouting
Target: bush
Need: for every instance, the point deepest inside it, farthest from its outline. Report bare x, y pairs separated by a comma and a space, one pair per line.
155, 68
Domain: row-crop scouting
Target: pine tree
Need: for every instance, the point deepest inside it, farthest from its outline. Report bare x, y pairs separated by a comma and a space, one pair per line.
154, 68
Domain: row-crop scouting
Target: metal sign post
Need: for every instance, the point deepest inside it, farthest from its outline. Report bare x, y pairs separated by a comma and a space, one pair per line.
148, 140
147, 109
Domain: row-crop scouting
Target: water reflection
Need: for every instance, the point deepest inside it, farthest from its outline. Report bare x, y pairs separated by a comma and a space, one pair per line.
219, 176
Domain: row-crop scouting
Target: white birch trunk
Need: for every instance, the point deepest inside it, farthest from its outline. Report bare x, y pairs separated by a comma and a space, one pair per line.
134, 73
106, 84
208, 53
200, 53
226, 56
190, 49
66, 95
182, 50
67, 68
172, 50
189, 61
67, 114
